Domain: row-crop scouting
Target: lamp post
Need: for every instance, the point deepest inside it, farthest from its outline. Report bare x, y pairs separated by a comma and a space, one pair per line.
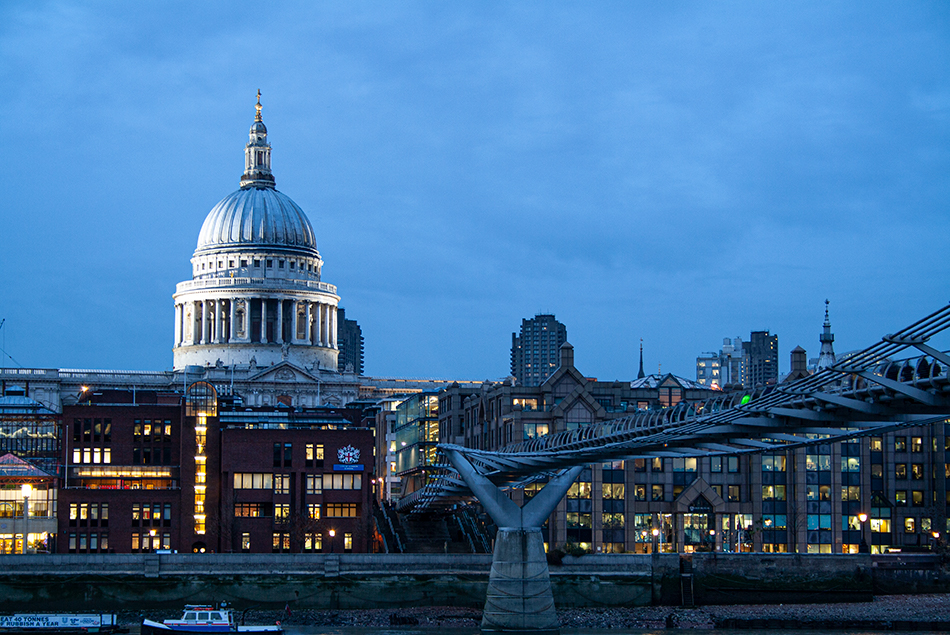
332, 533
656, 539
26, 489
863, 547
936, 536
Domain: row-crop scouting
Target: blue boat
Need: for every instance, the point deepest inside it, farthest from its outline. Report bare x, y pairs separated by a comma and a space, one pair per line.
205, 618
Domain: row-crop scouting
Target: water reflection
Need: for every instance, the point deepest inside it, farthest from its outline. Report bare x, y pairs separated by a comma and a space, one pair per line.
449, 630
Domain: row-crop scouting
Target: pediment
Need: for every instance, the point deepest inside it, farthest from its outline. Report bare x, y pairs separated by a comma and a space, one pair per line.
699, 494
284, 373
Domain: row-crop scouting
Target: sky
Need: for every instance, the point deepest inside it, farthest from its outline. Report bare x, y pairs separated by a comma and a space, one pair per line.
678, 172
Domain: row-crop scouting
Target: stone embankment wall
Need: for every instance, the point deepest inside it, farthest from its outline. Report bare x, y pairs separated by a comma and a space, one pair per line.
362, 581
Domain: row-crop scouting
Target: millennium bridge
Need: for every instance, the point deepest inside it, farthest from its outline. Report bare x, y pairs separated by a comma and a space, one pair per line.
900, 381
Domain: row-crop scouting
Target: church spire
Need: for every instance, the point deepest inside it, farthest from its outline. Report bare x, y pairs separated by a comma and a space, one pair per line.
257, 154
641, 374
826, 358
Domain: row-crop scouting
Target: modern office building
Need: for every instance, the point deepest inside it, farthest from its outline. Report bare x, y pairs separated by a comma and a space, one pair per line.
416, 435
723, 369
350, 343
534, 353
760, 359
708, 370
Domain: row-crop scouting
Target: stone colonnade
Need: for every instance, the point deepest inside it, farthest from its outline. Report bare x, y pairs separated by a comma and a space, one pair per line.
228, 321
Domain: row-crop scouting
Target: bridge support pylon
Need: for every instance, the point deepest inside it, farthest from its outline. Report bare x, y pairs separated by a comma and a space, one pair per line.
519, 598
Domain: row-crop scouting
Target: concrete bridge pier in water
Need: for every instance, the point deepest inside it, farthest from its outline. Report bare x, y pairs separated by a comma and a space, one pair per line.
519, 598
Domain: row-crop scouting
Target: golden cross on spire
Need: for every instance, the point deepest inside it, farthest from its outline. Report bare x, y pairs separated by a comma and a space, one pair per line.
258, 117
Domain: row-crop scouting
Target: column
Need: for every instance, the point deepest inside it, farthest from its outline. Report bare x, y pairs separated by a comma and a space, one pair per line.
263, 320
295, 322
332, 326
309, 325
205, 326
216, 306
232, 330
179, 311
194, 324
324, 341
279, 331
247, 319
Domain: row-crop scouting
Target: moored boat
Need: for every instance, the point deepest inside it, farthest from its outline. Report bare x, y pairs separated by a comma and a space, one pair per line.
205, 618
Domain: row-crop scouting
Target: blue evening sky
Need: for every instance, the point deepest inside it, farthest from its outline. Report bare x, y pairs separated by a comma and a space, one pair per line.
673, 171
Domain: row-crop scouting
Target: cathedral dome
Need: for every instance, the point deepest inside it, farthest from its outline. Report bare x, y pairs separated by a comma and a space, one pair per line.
256, 217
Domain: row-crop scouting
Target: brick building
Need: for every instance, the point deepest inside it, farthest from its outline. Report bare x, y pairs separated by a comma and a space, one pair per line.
205, 474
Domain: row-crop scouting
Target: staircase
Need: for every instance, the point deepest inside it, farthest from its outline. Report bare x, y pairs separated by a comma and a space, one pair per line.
686, 580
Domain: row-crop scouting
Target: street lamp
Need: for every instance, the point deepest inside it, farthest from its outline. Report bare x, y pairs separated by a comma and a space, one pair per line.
26, 489
332, 533
656, 539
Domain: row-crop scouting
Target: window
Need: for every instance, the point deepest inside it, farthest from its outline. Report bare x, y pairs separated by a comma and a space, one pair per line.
910, 525
851, 493
281, 483
715, 464
245, 542
916, 444
281, 511
639, 465
900, 470
733, 493
313, 510
917, 498
314, 455
251, 510
347, 542
341, 510
281, 542
640, 492
314, 483
900, 498
313, 542
732, 464
255, 480
917, 471
877, 444
657, 464
773, 492
355, 481
657, 493
900, 444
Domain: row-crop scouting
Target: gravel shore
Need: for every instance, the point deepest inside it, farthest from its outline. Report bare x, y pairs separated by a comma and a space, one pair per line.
882, 612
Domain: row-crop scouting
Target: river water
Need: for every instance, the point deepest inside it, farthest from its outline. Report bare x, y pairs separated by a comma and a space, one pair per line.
332, 630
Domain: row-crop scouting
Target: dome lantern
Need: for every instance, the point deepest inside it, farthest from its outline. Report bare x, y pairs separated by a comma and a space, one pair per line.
257, 171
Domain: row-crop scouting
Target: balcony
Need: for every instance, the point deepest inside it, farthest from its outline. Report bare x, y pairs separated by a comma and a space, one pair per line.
256, 284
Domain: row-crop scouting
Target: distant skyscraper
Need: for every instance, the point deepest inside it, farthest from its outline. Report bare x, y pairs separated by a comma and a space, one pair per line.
350, 340
826, 358
760, 359
534, 354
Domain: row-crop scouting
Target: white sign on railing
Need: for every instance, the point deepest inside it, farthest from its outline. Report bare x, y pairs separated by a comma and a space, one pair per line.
54, 620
